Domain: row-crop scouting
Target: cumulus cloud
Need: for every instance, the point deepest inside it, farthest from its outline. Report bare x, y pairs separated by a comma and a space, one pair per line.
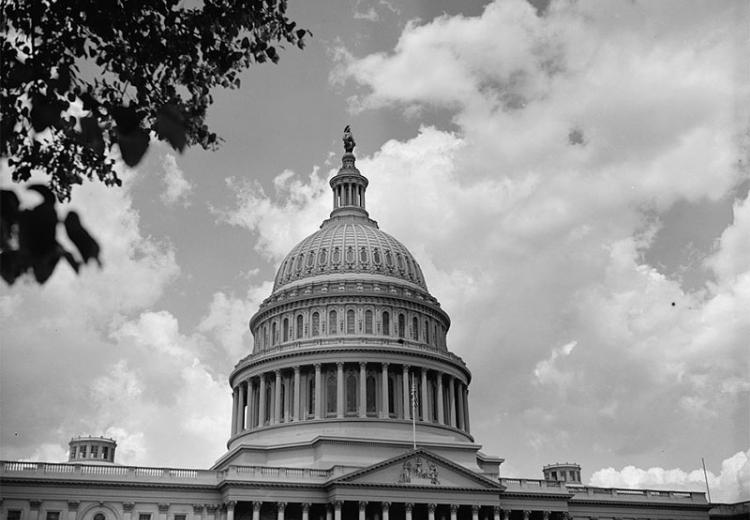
177, 188
732, 484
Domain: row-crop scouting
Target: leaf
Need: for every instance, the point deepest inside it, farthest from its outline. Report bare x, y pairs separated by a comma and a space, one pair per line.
44, 114
12, 265
91, 134
127, 119
87, 247
133, 146
170, 126
44, 265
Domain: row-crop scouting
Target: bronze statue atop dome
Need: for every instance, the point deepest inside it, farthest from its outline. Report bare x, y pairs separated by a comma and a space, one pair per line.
349, 143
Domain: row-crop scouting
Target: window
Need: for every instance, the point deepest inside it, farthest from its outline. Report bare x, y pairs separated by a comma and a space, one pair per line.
94, 452
363, 255
311, 395
300, 326
332, 319
180, 517
144, 516
299, 261
73, 452
350, 322
14, 514
274, 334
368, 322
349, 255
322, 257
105, 453
285, 330
391, 396
351, 393
83, 452
386, 323
268, 403
331, 394
336, 256
315, 324
426, 331
53, 515
282, 400
371, 392
388, 258
376, 256
401, 325
99, 516
415, 329
310, 259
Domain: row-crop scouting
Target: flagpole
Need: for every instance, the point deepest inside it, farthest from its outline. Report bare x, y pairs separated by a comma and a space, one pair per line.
705, 476
413, 414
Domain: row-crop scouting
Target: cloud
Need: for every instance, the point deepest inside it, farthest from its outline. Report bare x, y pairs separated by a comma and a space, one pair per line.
732, 484
547, 371
177, 188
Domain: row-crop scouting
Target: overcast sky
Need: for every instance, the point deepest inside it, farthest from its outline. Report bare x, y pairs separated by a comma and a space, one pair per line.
573, 181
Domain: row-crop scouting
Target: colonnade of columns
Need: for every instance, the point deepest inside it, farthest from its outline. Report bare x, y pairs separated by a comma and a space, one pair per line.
322, 391
388, 511
349, 194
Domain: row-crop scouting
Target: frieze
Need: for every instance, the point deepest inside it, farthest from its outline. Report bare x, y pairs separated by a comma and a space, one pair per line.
418, 471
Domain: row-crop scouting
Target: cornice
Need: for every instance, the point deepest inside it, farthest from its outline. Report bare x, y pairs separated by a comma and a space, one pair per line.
85, 483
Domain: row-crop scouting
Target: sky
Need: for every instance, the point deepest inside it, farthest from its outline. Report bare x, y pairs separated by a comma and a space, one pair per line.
571, 176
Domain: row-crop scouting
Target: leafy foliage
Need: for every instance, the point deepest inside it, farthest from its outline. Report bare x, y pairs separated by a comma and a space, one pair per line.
80, 76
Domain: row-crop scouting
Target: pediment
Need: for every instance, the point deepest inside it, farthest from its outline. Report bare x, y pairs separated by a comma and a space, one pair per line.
419, 468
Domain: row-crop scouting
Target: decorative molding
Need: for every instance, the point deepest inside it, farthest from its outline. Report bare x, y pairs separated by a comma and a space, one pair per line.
416, 471
163, 508
73, 505
35, 504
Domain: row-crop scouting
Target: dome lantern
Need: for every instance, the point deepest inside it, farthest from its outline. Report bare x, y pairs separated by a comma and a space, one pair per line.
348, 185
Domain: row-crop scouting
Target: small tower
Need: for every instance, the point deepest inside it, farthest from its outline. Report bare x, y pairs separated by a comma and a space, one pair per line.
568, 472
348, 185
92, 450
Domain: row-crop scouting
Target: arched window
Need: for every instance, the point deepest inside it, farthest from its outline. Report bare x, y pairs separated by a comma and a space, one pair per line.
336, 255
310, 259
332, 325
99, 516
300, 258
322, 260
349, 255
311, 396
351, 393
265, 336
368, 322
415, 329
426, 331
350, 322
376, 256
386, 323
315, 324
372, 394
401, 325
274, 334
300, 328
363, 255
436, 340
285, 330
331, 394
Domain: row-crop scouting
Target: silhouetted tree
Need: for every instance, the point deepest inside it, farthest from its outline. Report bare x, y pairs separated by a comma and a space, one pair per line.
81, 76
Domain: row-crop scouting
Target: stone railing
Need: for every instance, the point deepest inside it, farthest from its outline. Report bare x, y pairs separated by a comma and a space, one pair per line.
581, 491
336, 341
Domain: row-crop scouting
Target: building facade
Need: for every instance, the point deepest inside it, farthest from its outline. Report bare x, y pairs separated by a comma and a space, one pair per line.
350, 406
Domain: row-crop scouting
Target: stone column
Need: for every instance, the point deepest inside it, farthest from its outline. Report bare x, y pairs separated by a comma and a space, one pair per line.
431, 511
337, 509
296, 416
340, 389
73, 509
164, 508
440, 408
256, 510
408, 507
318, 393
277, 398
306, 510
329, 512
235, 398
526, 514
467, 429
127, 509
545, 515
425, 402
460, 405
253, 405
362, 510
280, 506
363, 389
451, 402
384, 391
405, 391
454, 511
262, 400
506, 514
475, 512
386, 506
244, 401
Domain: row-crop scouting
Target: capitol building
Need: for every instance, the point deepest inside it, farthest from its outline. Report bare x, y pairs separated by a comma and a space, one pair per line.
351, 405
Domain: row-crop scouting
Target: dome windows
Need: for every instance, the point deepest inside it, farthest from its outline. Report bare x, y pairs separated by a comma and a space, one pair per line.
322, 257
299, 261
376, 256
388, 259
332, 325
350, 255
315, 323
350, 322
310, 260
368, 321
336, 256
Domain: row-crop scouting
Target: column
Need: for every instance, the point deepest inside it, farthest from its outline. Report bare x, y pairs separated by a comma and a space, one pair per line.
306, 510
385, 508
277, 398
256, 510
466, 410
318, 393
454, 511
363, 198
329, 512
545, 515
251, 423
235, 398
362, 510
506, 514
337, 509
408, 507
451, 402
526, 514
296, 410
73, 509
280, 506
384, 391
440, 408
431, 511
425, 402
339, 389
495, 512
475, 512
460, 403
243, 405
405, 392
262, 400
363, 389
